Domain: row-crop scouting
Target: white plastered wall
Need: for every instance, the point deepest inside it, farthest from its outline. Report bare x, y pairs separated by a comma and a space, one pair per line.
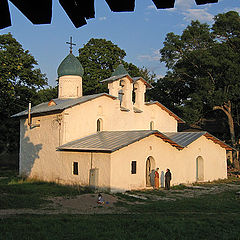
139, 89
86, 161
38, 157
81, 120
182, 163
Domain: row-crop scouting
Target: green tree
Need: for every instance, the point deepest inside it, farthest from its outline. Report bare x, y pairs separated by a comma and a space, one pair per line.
99, 59
204, 70
226, 30
45, 95
19, 81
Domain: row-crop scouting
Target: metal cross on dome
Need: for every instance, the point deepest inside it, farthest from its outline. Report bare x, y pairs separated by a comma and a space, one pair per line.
71, 44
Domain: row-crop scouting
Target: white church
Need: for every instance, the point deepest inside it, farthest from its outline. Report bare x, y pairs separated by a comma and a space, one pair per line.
110, 140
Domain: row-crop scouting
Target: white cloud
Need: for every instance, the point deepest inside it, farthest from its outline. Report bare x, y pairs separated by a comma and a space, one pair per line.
154, 56
197, 14
184, 4
144, 58
190, 11
153, 7
102, 18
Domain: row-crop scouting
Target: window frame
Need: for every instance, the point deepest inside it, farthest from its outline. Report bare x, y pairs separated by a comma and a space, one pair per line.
99, 124
134, 167
75, 170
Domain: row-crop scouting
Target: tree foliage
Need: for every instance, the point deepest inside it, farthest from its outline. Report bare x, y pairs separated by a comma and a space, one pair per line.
19, 82
203, 70
99, 59
45, 95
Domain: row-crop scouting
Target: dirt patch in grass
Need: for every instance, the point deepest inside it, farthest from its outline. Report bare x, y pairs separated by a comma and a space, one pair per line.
81, 204
86, 203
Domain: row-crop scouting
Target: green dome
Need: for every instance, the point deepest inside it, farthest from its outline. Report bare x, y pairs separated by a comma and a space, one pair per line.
120, 70
70, 66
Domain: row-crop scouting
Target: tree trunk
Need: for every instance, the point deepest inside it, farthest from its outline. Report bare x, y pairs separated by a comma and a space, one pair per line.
226, 108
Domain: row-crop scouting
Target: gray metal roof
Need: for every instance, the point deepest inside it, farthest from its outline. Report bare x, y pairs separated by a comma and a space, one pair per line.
110, 141
106, 141
61, 104
183, 139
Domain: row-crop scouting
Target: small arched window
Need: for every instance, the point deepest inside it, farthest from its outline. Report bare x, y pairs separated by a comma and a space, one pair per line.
99, 125
151, 125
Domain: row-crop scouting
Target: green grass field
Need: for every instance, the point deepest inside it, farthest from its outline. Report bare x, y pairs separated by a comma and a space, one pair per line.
134, 226
209, 216
17, 192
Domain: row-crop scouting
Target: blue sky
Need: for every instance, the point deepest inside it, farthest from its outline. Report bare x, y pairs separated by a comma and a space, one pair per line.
140, 33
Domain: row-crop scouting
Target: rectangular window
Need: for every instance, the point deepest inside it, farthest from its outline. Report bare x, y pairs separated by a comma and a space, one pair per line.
75, 168
134, 167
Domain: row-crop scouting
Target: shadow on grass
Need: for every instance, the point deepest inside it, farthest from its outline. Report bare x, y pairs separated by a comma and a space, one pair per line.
227, 202
119, 227
218, 197
17, 192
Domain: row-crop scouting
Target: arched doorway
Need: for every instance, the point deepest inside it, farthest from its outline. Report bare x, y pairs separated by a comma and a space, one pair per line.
199, 169
150, 167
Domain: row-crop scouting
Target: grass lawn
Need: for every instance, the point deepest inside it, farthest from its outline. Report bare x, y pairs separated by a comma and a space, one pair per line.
130, 226
209, 216
224, 202
16, 192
